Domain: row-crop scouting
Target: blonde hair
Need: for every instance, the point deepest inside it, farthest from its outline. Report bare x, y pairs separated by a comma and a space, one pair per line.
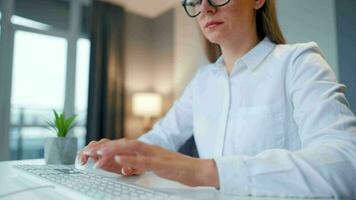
267, 23
267, 26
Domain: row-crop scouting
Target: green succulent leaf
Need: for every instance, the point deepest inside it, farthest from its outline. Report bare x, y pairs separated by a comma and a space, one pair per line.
62, 125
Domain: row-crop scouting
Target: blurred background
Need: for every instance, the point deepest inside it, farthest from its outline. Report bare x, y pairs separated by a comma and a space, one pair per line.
120, 64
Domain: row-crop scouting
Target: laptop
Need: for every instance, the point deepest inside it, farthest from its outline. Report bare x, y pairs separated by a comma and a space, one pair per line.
84, 184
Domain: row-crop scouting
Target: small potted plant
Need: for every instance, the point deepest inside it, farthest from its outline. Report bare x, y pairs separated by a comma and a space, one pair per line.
61, 149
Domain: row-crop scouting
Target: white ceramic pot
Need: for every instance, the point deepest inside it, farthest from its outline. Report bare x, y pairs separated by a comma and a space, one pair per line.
61, 150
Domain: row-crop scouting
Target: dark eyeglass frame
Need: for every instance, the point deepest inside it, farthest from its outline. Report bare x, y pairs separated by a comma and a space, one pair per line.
209, 1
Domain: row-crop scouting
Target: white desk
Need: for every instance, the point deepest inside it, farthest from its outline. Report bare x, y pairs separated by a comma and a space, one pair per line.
11, 180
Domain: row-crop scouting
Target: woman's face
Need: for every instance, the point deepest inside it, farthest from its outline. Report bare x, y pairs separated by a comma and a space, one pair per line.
224, 24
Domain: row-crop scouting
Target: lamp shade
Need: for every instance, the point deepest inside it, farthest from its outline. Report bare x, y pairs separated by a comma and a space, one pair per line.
147, 104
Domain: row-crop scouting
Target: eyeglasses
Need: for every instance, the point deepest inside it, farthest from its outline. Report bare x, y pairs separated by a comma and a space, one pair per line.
193, 7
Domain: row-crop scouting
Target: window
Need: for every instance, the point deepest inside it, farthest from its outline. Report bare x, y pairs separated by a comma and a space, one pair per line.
38, 86
81, 90
51, 13
0, 14
39, 65
29, 23
40, 62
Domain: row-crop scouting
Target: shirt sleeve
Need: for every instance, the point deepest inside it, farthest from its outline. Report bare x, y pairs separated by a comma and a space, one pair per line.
325, 166
176, 127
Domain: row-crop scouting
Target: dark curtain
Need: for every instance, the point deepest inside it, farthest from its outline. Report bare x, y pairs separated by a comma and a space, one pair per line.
106, 81
189, 148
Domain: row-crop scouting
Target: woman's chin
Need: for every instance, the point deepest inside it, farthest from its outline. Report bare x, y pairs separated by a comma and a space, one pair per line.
215, 38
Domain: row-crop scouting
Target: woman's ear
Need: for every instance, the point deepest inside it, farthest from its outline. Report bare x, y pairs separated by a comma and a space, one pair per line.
259, 4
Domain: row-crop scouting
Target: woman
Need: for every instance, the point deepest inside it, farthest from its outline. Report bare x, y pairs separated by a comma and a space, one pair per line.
268, 118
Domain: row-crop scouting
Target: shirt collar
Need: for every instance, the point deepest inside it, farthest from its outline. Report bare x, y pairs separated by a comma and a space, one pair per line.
254, 57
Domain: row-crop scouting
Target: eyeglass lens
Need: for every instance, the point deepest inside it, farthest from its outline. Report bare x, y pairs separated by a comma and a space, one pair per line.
193, 7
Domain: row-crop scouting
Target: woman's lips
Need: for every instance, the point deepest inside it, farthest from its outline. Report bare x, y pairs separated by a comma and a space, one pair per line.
213, 24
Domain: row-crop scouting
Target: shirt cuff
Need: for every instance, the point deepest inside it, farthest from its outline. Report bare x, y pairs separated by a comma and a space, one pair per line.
144, 138
233, 175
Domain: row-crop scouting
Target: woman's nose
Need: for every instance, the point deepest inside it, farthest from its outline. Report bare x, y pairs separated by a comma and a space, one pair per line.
206, 7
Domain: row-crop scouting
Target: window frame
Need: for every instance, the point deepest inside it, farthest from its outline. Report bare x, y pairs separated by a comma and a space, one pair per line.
6, 58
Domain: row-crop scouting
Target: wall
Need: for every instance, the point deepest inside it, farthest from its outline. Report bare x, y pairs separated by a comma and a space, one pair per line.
332, 24
162, 55
189, 50
163, 58
346, 25
138, 65
305, 20
148, 61
138, 56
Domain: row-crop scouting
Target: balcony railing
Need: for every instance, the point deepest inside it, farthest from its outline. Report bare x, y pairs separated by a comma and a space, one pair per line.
29, 131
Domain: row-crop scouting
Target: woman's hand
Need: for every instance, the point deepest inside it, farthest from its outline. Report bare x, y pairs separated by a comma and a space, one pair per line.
110, 165
142, 157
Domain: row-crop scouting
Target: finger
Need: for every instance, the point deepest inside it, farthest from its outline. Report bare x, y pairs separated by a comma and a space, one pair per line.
106, 152
86, 149
87, 152
101, 161
137, 172
95, 158
83, 159
126, 147
111, 166
127, 171
137, 162
107, 156
93, 146
131, 171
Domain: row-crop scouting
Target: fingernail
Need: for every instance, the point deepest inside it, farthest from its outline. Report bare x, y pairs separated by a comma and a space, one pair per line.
123, 172
117, 159
128, 171
87, 153
100, 152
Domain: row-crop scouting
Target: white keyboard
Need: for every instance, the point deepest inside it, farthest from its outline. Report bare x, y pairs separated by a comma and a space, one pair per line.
92, 185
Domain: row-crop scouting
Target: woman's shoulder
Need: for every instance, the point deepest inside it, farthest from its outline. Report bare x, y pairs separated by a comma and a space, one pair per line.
305, 59
297, 50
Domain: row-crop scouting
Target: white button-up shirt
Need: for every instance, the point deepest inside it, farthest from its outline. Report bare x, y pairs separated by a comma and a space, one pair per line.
278, 125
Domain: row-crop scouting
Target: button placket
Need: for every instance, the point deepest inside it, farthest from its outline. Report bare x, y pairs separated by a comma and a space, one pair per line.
220, 140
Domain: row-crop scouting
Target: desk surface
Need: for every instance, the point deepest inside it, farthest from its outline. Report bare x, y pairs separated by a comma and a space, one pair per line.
11, 181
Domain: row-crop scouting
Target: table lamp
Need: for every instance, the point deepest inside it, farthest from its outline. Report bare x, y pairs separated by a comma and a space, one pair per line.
147, 105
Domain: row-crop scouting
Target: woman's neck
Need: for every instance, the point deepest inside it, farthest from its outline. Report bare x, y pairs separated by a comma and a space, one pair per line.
233, 50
